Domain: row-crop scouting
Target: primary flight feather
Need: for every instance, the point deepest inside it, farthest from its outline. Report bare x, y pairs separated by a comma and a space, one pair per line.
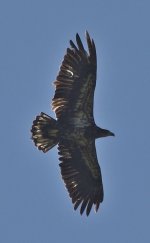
75, 130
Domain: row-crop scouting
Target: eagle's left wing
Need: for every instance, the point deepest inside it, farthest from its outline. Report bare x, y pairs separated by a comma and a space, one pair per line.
81, 173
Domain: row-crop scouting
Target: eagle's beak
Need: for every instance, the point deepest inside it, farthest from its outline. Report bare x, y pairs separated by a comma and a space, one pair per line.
111, 134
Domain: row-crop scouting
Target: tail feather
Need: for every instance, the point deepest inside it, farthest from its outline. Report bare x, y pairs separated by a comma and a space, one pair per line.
44, 132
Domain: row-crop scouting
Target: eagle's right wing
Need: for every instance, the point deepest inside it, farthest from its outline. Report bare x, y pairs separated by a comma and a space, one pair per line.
75, 83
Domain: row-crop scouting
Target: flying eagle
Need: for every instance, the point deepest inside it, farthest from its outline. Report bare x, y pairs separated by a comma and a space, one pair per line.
75, 130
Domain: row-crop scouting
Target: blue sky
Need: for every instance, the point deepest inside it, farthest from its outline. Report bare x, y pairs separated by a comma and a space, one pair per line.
34, 204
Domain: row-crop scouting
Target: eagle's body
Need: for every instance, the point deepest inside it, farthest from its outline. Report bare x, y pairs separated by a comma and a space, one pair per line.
75, 130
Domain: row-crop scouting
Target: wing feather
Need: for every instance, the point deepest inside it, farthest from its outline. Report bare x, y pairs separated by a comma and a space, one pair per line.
75, 83
79, 43
81, 173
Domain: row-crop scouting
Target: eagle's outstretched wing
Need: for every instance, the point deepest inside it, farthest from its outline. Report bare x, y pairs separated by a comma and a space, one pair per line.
81, 173
75, 83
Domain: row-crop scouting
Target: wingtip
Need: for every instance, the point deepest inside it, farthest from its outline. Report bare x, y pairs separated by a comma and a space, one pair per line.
97, 207
78, 40
87, 34
77, 36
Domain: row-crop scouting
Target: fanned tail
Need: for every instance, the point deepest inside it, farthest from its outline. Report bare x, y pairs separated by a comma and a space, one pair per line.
44, 132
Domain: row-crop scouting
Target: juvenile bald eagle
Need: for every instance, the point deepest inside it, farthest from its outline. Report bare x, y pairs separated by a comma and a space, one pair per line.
75, 130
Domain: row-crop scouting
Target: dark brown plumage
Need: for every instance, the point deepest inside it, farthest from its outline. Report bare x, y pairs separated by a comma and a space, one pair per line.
75, 130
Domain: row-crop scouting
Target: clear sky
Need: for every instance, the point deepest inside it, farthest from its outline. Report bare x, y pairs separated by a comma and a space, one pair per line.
34, 204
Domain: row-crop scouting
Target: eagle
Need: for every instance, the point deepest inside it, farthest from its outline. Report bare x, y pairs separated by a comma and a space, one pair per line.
74, 129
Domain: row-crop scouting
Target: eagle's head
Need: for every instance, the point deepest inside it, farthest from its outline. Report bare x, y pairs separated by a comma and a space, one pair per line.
103, 132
